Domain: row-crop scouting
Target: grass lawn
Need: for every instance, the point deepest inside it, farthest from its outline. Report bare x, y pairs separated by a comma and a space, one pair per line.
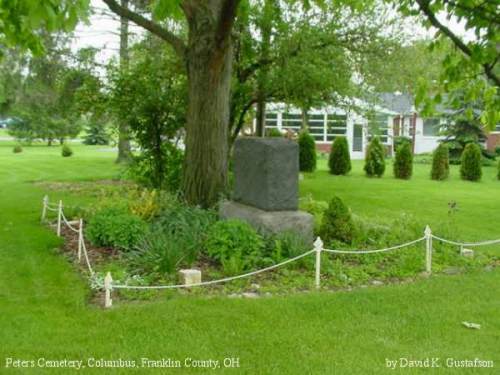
44, 309
478, 203
4, 133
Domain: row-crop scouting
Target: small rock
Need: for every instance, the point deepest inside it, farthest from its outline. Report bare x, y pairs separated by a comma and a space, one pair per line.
255, 286
377, 282
472, 325
190, 277
250, 295
452, 271
469, 253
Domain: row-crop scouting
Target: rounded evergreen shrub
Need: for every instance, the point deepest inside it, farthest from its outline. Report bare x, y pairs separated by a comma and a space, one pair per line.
17, 149
375, 158
441, 162
235, 245
337, 223
66, 151
307, 152
340, 160
403, 162
470, 168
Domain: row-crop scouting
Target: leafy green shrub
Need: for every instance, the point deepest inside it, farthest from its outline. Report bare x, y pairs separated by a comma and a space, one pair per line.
337, 224
375, 158
498, 167
188, 225
159, 170
440, 163
273, 132
340, 160
497, 150
66, 151
307, 152
145, 203
115, 227
403, 162
470, 168
17, 149
235, 245
315, 208
285, 245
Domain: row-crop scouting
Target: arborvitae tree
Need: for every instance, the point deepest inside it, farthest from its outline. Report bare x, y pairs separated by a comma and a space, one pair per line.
340, 160
307, 152
375, 158
441, 163
403, 162
337, 224
470, 169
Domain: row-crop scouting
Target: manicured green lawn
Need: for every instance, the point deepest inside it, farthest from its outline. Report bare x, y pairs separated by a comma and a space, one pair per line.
4, 133
477, 217
45, 312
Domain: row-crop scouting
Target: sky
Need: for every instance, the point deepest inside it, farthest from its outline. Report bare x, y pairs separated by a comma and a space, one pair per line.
102, 32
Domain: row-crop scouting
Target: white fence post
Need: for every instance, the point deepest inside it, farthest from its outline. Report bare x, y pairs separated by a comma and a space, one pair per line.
80, 240
44, 209
108, 281
428, 250
318, 247
59, 218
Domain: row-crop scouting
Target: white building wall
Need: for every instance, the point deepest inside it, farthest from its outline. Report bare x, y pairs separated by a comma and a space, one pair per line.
424, 144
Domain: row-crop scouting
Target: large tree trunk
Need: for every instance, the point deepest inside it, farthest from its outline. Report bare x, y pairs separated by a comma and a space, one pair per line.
260, 121
124, 151
265, 29
209, 63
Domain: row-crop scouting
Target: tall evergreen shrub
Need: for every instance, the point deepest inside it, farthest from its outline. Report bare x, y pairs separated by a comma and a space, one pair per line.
307, 152
403, 162
340, 160
441, 163
375, 158
470, 168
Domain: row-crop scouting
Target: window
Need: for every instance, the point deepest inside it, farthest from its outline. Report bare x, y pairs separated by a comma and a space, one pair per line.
336, 125
497, 129
291, 121
271, 120
431, 127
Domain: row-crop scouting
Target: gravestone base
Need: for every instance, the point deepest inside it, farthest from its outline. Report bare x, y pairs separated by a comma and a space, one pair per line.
270, 222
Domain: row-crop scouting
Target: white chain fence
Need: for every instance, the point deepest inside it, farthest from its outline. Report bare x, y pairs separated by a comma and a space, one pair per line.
108, 285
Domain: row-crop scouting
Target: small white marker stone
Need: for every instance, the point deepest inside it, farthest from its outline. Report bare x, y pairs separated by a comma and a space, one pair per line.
190, 277
468, 253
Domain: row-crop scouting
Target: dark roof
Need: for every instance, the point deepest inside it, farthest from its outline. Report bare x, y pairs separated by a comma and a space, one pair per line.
400, 103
